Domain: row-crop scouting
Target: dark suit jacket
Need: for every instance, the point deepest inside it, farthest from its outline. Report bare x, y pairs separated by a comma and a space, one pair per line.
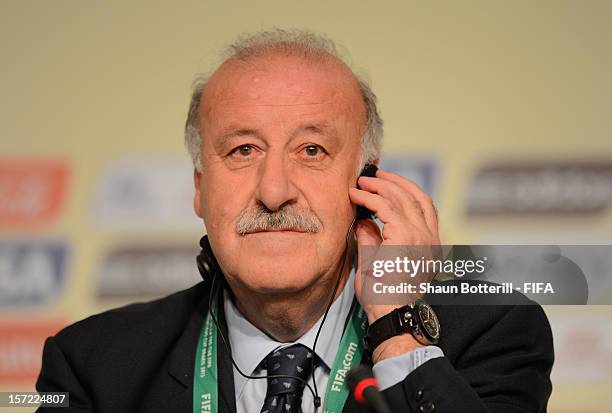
140, 358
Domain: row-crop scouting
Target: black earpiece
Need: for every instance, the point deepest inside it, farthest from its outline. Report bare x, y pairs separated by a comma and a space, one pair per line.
368, 170
207, 263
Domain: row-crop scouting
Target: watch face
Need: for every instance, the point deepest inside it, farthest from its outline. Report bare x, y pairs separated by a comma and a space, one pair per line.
429, 322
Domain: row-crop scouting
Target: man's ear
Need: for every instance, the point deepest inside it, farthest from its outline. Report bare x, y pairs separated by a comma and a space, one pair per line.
197, 206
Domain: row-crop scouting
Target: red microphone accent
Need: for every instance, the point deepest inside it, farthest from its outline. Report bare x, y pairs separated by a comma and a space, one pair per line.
362, 385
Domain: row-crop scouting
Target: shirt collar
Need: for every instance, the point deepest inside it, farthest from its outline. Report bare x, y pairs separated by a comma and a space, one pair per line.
250, 345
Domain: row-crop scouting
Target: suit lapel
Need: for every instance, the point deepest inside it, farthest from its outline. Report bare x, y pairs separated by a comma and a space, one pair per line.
173, 392
174, 389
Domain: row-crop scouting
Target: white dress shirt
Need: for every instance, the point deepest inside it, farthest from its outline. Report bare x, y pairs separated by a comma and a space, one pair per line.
250, 346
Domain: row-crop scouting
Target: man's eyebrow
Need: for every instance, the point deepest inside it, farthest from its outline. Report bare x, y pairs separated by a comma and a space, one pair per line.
235, 132
230, 132
320, 128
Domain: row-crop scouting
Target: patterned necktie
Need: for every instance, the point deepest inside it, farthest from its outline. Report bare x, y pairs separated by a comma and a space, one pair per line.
284, 394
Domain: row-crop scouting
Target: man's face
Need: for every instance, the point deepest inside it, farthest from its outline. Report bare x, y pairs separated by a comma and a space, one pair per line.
281, 135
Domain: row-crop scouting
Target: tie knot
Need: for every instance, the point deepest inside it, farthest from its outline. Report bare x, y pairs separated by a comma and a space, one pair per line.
294, 361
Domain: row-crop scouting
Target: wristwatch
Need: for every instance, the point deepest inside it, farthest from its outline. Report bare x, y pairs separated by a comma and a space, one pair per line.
418, 319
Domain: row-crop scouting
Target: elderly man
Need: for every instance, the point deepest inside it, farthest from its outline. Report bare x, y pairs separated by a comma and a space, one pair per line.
278, 135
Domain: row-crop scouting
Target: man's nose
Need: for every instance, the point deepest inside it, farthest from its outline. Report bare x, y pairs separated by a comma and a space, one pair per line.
275, 187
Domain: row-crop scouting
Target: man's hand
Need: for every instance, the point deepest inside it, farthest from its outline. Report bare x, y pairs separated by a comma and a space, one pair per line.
409, 218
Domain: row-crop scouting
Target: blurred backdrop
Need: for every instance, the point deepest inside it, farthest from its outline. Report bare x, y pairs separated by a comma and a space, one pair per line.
501, 110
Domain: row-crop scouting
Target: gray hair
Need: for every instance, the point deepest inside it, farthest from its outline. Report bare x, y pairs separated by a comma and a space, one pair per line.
290, 42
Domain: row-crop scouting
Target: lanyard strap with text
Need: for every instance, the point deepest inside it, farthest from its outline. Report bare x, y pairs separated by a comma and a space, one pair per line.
205, 390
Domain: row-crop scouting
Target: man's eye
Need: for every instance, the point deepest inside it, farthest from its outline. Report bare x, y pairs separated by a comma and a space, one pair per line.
313, 151
243, 150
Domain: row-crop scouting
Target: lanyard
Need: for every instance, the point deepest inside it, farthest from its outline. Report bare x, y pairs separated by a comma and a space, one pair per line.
205, 390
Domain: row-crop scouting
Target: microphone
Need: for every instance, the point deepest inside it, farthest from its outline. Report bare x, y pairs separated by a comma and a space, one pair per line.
364, 386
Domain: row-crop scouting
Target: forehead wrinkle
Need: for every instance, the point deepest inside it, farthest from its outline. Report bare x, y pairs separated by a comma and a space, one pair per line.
322, 128
284, 104
248, 73
291, 97
219, 91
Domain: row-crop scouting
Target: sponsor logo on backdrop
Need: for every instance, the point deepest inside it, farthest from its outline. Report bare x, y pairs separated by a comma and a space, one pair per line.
32, 272
423, 171
142, 272
541, 188
32, 192
21, 344
143, 194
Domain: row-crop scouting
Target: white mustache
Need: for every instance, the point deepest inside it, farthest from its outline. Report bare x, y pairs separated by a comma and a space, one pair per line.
290, 217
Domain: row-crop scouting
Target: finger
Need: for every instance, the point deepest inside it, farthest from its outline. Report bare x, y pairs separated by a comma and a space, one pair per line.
416, 191
396, 228
397, 194
368, 233
429, 210
383, 208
